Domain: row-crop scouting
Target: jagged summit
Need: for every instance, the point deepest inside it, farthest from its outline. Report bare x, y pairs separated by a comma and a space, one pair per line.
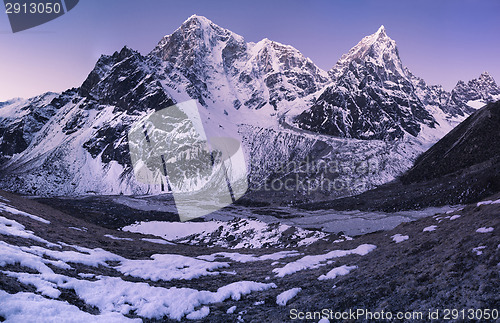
196, 32
377, 49
486, 77
381, 29
196, 21
197, 18
476, 93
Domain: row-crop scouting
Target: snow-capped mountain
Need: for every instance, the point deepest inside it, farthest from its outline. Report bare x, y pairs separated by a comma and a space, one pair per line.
218, 67
76, 142
372, 97
475, 93
375, 97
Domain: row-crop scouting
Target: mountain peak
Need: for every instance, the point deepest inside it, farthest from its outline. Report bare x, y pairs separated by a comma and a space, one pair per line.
197, 33
377, 48
486, 76
379, 36
196, 18
381, 30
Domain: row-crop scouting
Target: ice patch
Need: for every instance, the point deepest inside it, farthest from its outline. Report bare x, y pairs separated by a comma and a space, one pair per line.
287, 295
484, 230
231, 310
456, 216
172, 230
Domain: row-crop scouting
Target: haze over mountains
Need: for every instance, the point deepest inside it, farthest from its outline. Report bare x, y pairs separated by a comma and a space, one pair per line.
274, 99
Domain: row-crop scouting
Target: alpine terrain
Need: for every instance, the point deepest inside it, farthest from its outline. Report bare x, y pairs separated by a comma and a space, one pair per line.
368, 111
363, 193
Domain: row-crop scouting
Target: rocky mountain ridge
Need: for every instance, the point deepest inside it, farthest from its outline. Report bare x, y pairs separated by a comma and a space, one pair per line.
75, 142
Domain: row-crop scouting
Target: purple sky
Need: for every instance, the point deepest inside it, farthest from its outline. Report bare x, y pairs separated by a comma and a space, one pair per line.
442, 41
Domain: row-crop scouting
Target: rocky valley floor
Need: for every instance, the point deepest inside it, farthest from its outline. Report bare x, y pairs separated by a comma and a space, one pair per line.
60, 267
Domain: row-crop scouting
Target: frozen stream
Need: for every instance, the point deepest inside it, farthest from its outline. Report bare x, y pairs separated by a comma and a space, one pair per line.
349, 222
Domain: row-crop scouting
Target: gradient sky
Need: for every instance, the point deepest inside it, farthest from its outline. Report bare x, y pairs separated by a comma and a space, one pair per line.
442, 41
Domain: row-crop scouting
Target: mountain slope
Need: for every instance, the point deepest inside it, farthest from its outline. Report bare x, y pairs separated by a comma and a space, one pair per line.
375, 97
467, 145
372, 97
463, 167
219, 68
57, 266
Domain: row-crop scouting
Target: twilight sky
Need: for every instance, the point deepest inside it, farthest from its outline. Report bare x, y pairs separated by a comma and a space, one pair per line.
442, 41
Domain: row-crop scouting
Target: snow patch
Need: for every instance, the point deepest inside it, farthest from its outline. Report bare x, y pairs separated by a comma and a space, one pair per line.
6, 208
199, 314
246, 233
283, 298
14, 228
117, 238
315, 261
399, 238
484, 230
168, 267
244, 258
488, 202
29, 307
476, 104
478, 250
338, 271
159, 241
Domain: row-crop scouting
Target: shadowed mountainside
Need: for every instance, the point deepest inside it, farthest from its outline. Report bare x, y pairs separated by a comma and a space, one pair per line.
463, 167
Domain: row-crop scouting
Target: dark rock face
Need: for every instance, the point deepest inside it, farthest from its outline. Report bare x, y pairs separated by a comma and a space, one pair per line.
18, 130
470, 143
12, 141
372, 97
368, 115
463, 167
127, 81
483, 88
207, 58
